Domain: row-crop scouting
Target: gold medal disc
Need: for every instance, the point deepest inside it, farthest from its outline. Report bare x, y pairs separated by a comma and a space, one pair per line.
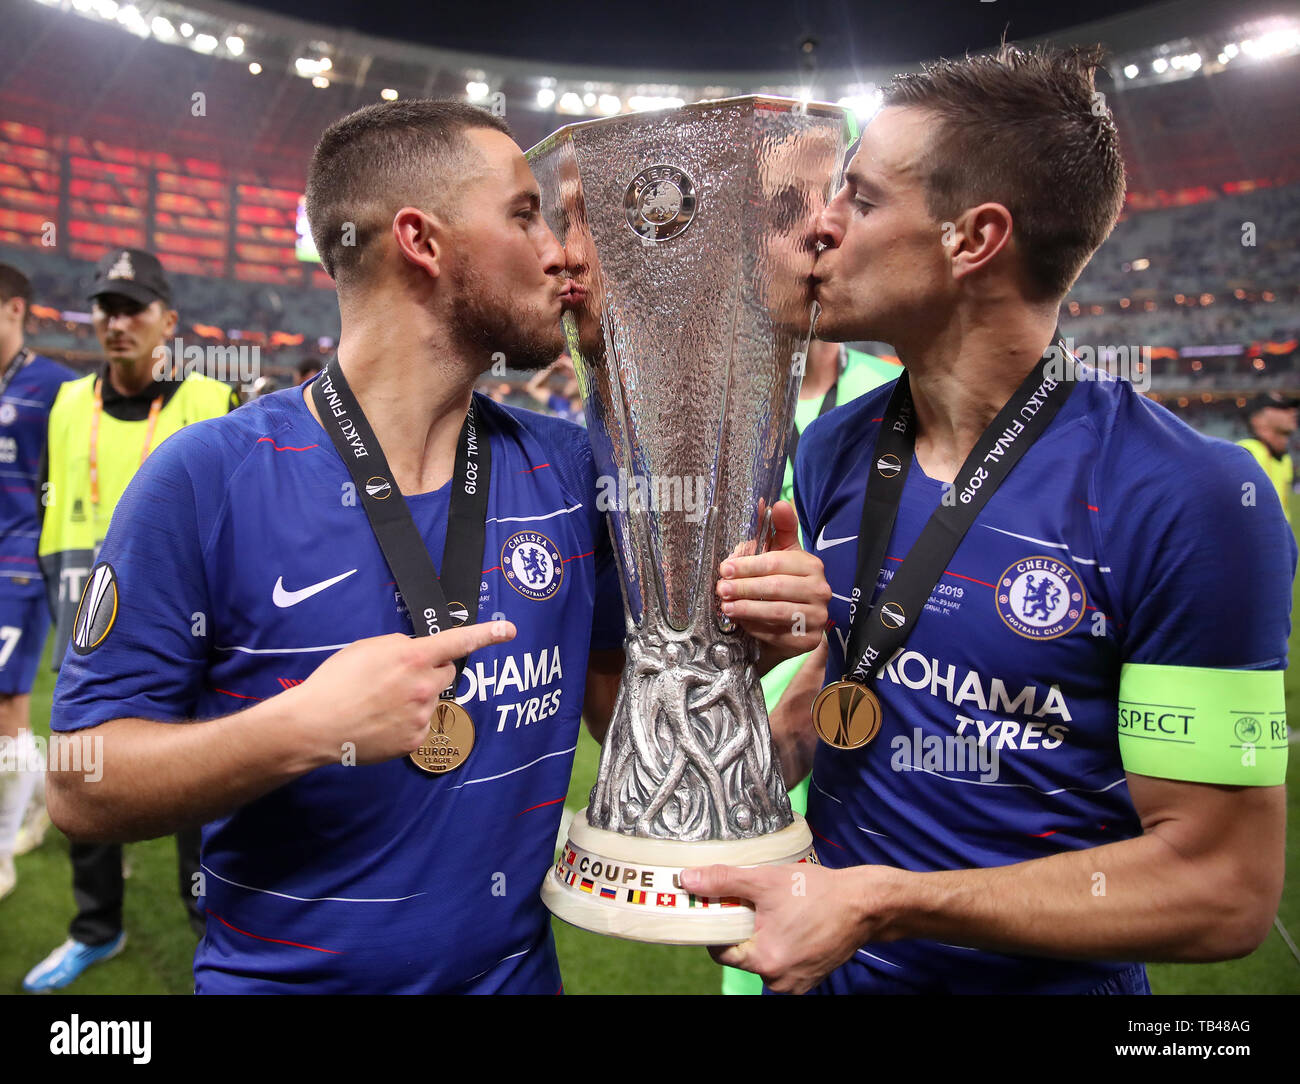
846, 715
449, 741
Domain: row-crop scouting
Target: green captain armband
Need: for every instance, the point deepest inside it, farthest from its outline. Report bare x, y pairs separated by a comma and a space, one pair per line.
1203, 725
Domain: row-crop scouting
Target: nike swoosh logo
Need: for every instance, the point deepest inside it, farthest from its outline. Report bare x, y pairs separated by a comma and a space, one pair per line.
284, 599
824, 543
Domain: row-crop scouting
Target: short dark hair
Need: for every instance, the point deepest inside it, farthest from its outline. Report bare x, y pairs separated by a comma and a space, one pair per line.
372, 162
1029, 131
13, 283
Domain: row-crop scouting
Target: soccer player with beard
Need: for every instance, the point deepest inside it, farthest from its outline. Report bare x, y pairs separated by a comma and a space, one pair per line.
1082, 738
243, 591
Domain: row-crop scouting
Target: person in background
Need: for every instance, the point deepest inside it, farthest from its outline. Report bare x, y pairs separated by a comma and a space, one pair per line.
567, 405
1271, 419
263, 385
307, 370
28, 385
102, 428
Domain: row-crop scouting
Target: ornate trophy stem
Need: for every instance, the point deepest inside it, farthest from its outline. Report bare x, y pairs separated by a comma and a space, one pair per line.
688, 755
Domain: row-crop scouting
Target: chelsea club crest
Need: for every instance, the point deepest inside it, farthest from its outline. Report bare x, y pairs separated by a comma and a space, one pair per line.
532, 565
1040, 598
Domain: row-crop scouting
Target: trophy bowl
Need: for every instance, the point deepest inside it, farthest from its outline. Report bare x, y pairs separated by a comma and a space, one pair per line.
689, 237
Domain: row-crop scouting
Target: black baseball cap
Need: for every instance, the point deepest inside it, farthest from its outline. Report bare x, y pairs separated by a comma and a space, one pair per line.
1273, 399
133, 273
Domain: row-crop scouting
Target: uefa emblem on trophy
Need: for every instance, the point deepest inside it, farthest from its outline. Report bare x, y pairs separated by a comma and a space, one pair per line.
687, 236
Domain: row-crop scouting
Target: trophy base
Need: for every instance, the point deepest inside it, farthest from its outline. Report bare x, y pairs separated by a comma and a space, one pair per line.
628, 887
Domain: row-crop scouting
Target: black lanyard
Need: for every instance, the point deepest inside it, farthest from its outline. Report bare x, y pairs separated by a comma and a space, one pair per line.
408, 558
1000, 447
20, 361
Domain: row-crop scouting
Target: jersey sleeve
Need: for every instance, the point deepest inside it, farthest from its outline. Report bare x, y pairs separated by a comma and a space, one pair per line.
1206, 561
139, 647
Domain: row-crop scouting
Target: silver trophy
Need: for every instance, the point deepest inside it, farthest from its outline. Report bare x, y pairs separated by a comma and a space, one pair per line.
688, 236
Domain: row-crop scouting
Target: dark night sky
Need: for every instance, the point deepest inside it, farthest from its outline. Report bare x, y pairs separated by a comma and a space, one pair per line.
720, 36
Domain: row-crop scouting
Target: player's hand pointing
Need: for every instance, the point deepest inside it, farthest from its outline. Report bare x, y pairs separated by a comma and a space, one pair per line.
379, 693
778, 597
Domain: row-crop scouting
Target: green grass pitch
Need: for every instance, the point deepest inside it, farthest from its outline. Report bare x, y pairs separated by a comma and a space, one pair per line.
160, 946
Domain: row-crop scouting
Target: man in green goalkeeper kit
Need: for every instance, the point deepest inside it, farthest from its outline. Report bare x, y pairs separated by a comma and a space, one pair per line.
834, 375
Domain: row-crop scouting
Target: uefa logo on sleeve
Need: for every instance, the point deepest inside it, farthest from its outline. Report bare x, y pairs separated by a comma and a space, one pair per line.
532, 565
1040, 598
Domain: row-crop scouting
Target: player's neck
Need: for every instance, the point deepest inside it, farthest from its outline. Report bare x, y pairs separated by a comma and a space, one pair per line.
823, 369
130, 376
961, 379
8, 351
413, 393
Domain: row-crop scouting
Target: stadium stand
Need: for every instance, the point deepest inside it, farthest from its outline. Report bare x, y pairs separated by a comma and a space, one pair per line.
1199, 279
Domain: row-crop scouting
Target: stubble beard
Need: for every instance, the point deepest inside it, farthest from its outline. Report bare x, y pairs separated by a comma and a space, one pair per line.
485, 320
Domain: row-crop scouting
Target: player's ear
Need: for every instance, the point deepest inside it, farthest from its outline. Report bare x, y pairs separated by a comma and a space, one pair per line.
977, 237
170, 317
419, 238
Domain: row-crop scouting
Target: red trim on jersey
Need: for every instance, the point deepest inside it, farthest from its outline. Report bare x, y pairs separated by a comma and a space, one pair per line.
274, 940
578, 558
539, 805
241, 696
286, 449
949, 572
531, 469
823, 838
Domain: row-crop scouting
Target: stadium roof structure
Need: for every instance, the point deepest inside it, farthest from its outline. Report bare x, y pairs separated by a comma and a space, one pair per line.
1152, 44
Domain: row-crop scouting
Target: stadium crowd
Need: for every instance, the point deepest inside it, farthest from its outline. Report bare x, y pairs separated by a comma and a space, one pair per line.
1219, 273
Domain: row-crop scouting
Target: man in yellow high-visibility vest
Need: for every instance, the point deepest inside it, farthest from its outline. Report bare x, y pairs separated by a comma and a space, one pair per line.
102, 427
1272, 422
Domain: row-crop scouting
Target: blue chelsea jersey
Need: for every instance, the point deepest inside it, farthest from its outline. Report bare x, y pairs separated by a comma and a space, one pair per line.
242, 559
24, 426
1121, 536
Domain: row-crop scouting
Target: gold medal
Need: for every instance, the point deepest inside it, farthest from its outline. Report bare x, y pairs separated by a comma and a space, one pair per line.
449, 741
846, 715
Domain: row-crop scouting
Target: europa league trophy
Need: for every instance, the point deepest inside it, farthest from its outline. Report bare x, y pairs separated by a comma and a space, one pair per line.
688, 235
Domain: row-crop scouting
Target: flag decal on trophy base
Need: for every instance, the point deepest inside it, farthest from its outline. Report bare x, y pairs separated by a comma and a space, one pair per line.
658, 908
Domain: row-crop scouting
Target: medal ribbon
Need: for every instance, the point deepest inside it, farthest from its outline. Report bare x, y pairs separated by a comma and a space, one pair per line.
874, 637
19, 362
408, 557
155, 408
